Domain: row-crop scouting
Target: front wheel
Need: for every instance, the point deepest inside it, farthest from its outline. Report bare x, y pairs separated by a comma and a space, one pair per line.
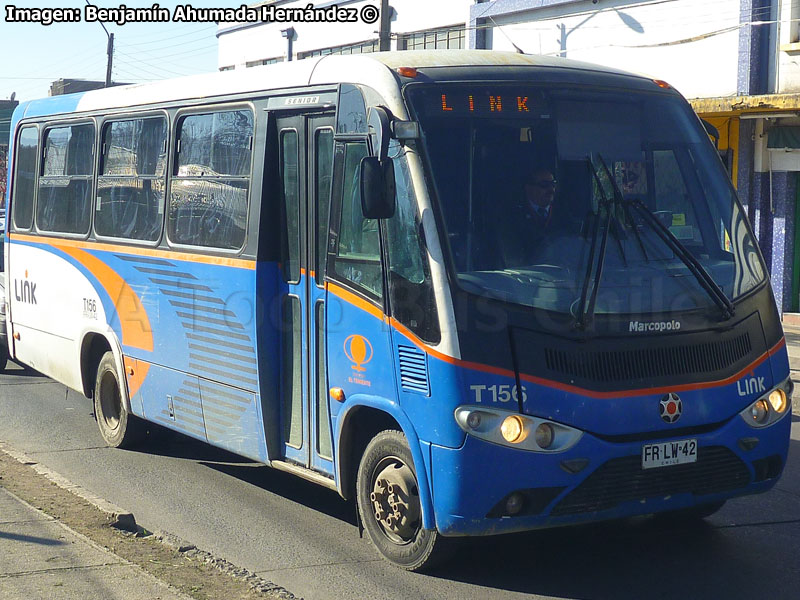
119, 428
388, 501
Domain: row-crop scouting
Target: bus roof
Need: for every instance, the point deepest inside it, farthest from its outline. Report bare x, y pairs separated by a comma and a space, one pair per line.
375, 69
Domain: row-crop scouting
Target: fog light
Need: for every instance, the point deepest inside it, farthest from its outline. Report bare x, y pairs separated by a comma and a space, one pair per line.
544, 435
512, 429
777, 398
760, 411
474, 420
514, 503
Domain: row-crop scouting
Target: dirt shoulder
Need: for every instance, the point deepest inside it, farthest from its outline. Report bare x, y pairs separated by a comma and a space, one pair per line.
187, 569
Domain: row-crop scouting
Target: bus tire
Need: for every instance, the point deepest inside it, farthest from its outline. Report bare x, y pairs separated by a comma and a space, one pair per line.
388, 501
119, 428
3, 357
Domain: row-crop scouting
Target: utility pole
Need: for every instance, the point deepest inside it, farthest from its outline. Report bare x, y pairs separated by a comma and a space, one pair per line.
110, 52
385, 28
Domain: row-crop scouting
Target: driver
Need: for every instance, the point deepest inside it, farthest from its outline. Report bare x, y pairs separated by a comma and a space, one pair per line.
540, 193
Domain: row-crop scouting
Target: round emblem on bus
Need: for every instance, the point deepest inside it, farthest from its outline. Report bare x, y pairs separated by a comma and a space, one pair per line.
671, 407
358, 349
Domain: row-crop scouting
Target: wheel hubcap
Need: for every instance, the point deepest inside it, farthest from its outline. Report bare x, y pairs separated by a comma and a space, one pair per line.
395, 500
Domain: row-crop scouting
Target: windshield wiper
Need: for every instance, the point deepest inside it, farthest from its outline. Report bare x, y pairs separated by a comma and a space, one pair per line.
695, 267
583, 310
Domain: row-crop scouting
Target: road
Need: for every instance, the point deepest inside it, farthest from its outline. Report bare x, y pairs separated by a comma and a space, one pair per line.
304, 538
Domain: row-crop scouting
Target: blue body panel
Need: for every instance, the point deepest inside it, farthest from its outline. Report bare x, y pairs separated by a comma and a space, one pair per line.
474, 466
459, 470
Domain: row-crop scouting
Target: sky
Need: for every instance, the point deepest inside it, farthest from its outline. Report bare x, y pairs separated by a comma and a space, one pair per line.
33, 55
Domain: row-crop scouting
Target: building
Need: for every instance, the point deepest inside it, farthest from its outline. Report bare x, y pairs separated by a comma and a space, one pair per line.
737, 61
6, 110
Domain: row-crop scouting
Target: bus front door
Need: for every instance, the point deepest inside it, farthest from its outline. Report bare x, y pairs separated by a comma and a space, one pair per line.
305, 156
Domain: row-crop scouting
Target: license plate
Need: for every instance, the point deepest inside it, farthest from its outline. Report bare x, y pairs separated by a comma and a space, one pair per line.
666, 454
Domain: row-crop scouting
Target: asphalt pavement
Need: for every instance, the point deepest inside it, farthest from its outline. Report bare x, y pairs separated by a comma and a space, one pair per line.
43, 558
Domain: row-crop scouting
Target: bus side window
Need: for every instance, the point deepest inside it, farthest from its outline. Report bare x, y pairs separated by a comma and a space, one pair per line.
211, 183
323, 167
25, 177
65, 187
130, 188
411, 294
357, 256
290, 179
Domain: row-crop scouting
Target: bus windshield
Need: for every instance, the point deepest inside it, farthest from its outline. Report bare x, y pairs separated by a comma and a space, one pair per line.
537, 186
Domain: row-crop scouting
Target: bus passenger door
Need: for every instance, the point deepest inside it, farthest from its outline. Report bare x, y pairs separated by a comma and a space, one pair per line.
306, 164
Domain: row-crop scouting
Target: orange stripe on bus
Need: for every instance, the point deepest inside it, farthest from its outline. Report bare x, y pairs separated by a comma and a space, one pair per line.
238, 263
658, 390
135, 324
351, 298
135, 380
373, 310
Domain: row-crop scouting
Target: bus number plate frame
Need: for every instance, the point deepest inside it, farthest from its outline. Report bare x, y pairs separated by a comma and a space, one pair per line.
665, 454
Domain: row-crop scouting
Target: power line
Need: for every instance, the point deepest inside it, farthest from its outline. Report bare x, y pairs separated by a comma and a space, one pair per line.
138, 64
193, 26
156, 41
188, 46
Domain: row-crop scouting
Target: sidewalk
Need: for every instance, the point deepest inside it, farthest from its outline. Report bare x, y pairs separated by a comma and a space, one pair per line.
43, 559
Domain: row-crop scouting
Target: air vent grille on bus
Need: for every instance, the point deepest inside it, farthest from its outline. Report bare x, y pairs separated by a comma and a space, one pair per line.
647, 363
413, 370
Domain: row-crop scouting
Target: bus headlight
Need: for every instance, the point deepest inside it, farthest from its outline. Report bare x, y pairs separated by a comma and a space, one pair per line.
545, 435
768, 408
777, 398
759, 410
512, 429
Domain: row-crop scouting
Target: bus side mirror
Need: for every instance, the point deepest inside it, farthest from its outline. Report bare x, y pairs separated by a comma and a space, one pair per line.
377, 188
380, 130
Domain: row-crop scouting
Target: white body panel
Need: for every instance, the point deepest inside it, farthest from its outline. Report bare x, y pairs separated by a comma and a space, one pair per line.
50, 301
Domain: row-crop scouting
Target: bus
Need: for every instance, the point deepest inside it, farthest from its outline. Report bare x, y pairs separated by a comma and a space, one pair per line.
333, 267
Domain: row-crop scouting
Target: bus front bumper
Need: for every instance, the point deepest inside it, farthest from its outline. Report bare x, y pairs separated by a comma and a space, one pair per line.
472, 484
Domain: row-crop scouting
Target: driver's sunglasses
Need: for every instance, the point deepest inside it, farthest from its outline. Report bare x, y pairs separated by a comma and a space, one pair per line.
546, 184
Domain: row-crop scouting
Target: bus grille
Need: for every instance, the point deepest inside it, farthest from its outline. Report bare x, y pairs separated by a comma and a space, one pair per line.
623, 480
413, 370
647, 363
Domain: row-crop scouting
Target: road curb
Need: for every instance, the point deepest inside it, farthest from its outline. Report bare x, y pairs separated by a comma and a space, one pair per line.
121, 519
125, 521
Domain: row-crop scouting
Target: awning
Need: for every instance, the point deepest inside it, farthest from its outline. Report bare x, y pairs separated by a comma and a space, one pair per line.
783, 137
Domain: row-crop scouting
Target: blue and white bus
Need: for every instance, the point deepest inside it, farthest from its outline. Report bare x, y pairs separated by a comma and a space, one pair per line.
334, 267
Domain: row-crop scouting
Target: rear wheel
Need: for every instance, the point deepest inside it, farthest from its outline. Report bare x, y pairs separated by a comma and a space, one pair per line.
388, 500
3, 356
119, 428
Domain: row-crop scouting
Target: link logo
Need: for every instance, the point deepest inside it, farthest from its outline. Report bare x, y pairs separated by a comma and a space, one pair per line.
25, 290
751, 385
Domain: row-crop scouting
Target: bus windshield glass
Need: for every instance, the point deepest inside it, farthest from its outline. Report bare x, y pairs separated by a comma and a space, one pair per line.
537, 186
